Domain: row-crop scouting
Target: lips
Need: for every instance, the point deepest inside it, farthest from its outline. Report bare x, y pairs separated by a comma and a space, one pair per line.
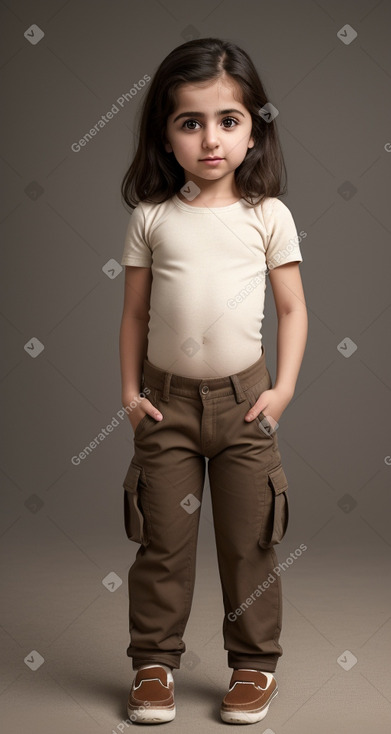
212, 159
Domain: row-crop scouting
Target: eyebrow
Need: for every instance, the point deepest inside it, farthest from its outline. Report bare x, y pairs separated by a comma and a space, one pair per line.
201, 114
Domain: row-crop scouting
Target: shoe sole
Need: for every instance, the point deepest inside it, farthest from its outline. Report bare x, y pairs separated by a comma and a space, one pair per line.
247, 717
150, 715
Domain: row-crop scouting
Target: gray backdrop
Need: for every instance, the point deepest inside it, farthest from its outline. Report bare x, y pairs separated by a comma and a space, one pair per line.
64, 552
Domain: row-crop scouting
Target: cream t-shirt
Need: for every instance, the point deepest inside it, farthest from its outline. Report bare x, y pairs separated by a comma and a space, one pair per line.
209, 269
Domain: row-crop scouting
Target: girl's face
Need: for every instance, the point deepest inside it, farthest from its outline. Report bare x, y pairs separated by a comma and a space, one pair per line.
209, 122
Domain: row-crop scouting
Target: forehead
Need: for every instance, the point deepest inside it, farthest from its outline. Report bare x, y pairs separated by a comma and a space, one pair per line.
209, 96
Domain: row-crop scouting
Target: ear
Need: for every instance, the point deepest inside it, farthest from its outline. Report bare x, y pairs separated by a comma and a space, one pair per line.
167, 147
251, 143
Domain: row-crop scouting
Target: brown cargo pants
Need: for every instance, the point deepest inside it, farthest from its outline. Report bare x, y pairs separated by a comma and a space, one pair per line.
163, 491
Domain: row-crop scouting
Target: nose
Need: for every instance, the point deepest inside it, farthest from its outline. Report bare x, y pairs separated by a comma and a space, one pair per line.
210, 137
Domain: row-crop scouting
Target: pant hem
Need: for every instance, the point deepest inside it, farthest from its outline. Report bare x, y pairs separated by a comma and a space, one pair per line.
172, 662
269, 666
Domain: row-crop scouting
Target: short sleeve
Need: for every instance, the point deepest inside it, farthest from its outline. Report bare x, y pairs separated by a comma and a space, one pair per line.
283, 246
136, 249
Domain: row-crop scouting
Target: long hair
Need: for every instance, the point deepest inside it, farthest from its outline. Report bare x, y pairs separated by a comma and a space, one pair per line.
154, 175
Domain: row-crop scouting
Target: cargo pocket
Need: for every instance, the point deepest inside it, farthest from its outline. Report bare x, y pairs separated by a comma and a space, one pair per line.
276, 515
135, 524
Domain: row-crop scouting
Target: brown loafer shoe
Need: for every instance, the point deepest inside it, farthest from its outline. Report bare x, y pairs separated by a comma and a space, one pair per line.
151, 697
249, 696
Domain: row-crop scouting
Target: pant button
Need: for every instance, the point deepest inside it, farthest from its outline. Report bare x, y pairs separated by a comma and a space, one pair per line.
205, 389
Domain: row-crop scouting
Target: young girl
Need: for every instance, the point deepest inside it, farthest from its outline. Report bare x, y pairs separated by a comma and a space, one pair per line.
206, 229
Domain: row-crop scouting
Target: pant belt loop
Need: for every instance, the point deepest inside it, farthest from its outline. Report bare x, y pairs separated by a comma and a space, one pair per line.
166, 387
239, 394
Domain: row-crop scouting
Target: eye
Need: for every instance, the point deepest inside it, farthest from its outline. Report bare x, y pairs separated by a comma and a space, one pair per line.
231, 119
186, 123
190, 124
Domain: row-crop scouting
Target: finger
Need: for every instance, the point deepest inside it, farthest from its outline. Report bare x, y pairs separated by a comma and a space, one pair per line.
251, 415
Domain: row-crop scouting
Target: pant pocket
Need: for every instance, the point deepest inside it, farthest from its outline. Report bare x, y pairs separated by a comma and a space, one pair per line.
276, 510
134, 517
147, 421
252, 394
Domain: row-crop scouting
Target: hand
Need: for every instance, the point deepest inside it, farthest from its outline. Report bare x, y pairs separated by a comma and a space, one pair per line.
143, 407
272, 403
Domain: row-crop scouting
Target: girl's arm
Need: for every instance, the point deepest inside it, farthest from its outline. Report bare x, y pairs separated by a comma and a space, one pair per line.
134, 329
292, 325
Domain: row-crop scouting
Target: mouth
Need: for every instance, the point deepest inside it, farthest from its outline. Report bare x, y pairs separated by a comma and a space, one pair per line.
210, 158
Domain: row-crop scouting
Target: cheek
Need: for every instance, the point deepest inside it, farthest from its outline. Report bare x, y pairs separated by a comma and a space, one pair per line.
241, 148
183, 145
184, 148
238, 149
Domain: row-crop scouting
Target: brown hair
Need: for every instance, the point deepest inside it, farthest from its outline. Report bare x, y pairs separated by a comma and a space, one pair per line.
155, 175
